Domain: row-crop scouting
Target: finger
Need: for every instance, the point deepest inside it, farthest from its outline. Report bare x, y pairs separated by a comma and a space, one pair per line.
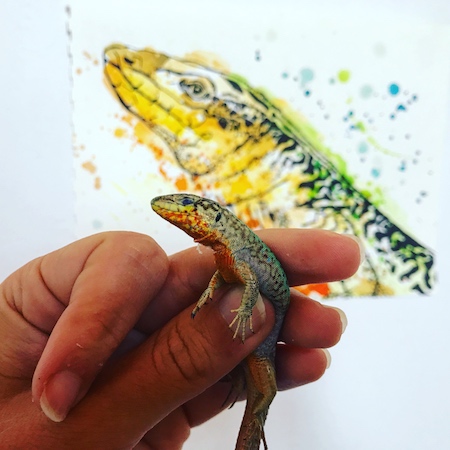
310, 324
175, 364
169, 434
295, 367
307, 256
111, 278
298, 366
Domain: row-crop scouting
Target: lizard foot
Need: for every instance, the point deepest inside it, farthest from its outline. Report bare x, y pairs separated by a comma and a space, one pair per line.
205, 297
243, 315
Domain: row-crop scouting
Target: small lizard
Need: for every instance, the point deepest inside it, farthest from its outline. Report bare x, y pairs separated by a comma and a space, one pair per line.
241, 257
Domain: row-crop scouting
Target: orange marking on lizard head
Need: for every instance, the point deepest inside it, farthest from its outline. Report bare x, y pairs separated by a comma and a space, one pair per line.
185, 212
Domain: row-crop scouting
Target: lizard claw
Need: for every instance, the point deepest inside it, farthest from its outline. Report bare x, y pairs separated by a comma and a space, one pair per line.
206, 296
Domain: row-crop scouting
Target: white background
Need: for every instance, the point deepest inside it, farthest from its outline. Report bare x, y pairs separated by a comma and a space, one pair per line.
388, 385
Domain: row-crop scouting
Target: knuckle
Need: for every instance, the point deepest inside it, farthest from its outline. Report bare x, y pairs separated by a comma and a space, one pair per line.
141, 252
185, 358
105, 329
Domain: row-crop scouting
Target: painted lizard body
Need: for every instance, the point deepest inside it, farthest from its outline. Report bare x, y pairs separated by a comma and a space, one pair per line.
243, 258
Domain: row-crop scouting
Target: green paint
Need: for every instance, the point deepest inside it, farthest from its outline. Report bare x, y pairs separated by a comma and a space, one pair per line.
380, 148
343, 76
360, 126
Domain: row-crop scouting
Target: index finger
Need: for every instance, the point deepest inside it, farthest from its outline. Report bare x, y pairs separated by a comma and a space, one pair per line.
306, 255
105, 281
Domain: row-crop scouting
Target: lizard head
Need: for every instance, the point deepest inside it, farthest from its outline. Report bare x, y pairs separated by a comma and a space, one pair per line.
203, 115
203, 219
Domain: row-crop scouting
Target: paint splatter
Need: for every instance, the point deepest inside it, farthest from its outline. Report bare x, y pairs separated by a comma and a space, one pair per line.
306, 76
394, 89
366, 91
343, 76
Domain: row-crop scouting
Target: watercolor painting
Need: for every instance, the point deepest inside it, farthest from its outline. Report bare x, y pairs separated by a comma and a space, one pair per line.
283, 142
240, 147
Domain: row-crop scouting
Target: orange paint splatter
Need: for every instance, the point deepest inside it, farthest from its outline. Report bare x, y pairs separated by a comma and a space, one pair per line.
253, 223
89, 166
97, 183
323, 289
78, 71
181, 183
158, 152
163, 172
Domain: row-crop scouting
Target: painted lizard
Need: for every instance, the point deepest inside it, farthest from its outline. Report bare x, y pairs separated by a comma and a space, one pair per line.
267, 163
241, 257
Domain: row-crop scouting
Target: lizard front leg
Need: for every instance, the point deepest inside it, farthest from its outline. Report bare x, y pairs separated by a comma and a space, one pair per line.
215, 283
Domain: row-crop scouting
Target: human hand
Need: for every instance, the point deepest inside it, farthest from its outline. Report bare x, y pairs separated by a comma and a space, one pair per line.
99, 334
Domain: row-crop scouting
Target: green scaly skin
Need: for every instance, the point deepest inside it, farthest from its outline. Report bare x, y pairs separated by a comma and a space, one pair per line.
241, 257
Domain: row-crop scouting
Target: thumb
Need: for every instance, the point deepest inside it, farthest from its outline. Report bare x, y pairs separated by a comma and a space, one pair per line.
172, 366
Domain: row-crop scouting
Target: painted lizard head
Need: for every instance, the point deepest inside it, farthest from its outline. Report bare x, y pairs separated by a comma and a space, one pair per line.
203, 114
203, 219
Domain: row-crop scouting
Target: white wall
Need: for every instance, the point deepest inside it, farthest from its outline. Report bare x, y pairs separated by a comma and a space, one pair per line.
388, 386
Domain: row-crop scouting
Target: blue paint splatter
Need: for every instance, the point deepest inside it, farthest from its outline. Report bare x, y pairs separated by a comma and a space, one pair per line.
375, 172
306, 75
366, 91
97, 224
394, 89
363, 147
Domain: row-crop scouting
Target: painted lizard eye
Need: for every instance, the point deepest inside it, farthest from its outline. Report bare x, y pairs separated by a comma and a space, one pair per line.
187, 201
197, 89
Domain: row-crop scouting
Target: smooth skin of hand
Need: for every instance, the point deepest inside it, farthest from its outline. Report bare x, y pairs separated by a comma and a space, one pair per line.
99, 335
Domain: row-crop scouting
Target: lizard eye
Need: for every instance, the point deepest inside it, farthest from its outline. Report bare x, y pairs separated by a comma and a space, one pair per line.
198, 89
187, 201
218, 217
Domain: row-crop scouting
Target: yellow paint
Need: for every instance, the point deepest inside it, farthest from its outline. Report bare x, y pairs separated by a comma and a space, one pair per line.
208, 59
89, 166
120, 132
343, 76
366, 287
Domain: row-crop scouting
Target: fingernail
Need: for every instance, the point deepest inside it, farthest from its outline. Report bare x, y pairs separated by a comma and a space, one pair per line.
343, 318
231, 301
362, 250
60, 394
328, 356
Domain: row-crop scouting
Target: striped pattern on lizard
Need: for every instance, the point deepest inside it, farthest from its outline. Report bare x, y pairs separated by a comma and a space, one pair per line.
243, 258
238, 146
